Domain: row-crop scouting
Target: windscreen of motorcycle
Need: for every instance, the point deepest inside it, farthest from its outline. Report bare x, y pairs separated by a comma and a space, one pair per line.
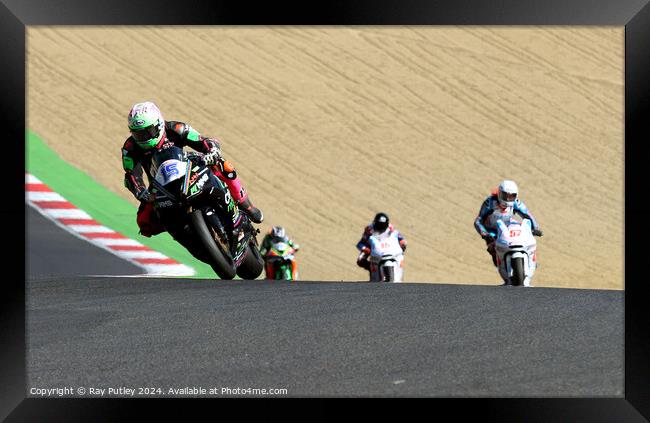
515, 233
170, 171
161, 156
281, 247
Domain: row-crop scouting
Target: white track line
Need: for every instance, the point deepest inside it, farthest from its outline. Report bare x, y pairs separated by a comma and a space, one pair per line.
90, 228
31, 179
143, 254
63, 213
167, 269
44, 196
107, 242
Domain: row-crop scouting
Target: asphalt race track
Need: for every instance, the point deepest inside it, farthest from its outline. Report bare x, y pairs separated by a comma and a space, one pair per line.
325, 338
316, 338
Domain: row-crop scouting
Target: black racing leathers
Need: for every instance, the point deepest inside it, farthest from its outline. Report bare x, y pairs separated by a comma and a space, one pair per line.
135, 160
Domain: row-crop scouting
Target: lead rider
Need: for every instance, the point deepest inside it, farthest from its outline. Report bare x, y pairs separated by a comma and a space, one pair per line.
501, 204
150, 133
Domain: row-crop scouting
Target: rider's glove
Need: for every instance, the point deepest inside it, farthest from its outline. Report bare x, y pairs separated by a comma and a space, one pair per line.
144, 195
193, 156
212, 157
537, 232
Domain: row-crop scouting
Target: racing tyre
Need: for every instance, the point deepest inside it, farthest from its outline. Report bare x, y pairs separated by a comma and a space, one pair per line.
221, 261
389, 273
252, 265
517, 278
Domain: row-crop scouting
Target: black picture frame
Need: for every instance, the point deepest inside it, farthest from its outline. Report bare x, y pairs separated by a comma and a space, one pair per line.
15, 15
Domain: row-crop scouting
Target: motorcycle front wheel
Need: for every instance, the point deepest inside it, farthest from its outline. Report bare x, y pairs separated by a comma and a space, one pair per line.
221, 261
518, 275
389, 274
288, 274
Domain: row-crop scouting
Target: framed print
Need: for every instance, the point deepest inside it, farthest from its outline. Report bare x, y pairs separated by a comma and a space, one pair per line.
332, 116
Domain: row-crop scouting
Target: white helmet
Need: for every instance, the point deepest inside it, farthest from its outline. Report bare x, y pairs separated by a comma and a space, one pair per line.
278, 233
508, 193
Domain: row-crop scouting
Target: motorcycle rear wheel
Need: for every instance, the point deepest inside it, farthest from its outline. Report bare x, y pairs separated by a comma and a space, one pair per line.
252, 265
279, 270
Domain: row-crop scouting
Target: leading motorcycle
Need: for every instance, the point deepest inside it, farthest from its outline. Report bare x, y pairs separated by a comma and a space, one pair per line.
197, 210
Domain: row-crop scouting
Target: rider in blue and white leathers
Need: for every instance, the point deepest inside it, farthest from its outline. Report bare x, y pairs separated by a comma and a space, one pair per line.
501, 205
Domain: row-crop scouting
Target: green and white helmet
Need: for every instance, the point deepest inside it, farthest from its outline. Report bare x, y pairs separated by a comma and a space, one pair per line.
146, 124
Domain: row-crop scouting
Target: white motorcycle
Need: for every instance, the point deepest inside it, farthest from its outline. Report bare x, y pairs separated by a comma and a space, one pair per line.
386, 257
516, 248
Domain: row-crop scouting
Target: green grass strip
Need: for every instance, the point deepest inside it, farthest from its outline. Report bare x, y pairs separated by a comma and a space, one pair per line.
104, 206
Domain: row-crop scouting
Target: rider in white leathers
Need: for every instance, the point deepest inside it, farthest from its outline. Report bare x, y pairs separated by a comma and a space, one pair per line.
379, 224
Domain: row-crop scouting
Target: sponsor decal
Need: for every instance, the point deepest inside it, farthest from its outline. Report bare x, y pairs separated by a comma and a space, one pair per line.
194, 178
202, 181
228, 198
137, 122
194, 189
171, 169
167, 203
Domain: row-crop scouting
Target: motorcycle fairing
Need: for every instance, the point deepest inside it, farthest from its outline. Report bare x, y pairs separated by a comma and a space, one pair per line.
170, 170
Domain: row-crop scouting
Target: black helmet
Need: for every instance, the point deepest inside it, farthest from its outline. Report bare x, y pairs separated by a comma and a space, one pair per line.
380, 222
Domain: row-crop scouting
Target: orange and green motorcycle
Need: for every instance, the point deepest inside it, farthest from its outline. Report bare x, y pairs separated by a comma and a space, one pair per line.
279, 259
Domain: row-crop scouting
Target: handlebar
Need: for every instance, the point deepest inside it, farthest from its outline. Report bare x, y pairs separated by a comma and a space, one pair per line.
190, 155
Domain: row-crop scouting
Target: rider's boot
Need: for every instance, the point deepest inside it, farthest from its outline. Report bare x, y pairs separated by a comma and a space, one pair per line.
362, 261
492, 250
253, 212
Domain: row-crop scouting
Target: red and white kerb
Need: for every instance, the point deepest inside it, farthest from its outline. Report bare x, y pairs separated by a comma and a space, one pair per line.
79, 223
